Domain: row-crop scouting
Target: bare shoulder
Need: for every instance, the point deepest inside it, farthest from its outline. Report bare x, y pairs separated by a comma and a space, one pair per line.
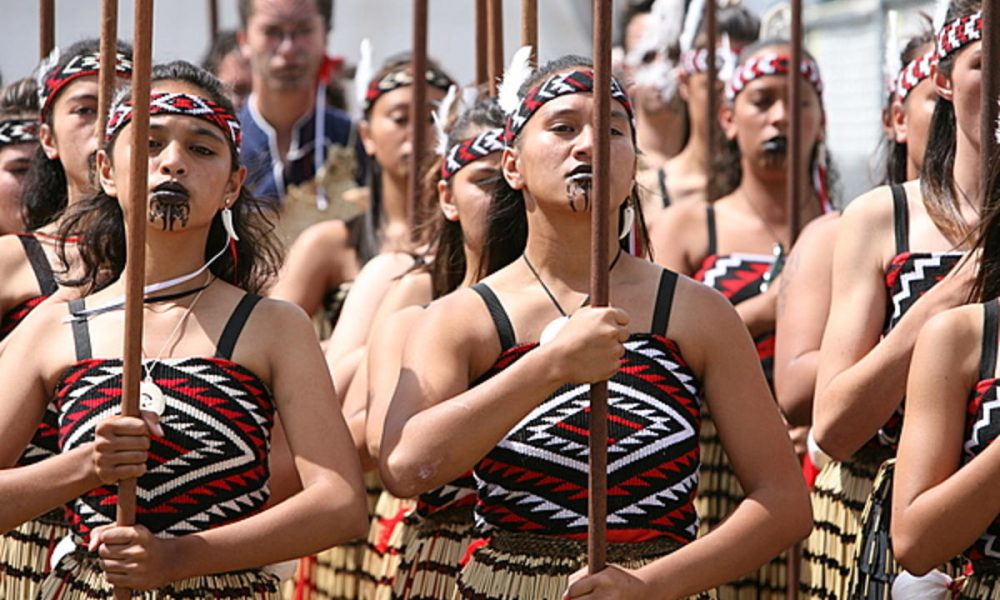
461, 322
386, 265
869, 213
820, 229
45, 335
955, 329
413, 288
701, 317
322, 236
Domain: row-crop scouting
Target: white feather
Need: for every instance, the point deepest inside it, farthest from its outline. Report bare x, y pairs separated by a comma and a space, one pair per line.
514, 77
363, 73
667, 18
776, 24
940, 14
932, 586
692, 20
658, 75
441, 119
45, 66
892, 49
729, 59
470, 95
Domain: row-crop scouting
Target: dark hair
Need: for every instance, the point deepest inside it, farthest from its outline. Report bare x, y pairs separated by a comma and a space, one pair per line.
99, 221
223, 44
740, 24
726, 171
895, 153
632, 9
937, 178
987, 284
45, 188
507, 220
323, 7
19, 99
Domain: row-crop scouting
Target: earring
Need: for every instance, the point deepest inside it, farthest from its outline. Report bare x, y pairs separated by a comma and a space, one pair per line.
628, 220
227, 224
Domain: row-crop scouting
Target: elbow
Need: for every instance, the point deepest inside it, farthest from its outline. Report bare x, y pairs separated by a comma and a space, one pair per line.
834, 437
910, 551
798, 516
402, 476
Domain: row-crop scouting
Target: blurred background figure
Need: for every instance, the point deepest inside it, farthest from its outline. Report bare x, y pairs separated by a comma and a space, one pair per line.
226, 62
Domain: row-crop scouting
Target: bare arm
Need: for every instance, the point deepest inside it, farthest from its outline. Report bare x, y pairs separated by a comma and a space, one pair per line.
940, 507
319, 260
384, 358
803, 307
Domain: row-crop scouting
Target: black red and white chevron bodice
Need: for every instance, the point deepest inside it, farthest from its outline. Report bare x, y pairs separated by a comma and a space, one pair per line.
460, 493
535, 479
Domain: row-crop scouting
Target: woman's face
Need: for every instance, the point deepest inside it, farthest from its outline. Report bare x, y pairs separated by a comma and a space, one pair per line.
759, 117
915, 116
965, 90
467, 198
191, 174
71, 138
14, 162
558, 142
386, 133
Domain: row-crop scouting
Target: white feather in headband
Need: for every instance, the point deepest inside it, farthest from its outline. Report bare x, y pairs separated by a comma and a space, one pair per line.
692, 21
940, 14
892, 50
441, 119
363, 74
514, 77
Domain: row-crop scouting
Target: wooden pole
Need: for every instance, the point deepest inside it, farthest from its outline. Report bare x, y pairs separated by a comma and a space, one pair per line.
107, 76
795, 150
990, 93
494, 43
597, 512
482, 50
213, 19
46, 27
418, 110
529, 27
135, 234
711, 37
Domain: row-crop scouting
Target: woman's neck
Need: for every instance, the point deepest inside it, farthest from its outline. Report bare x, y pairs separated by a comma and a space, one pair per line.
967, 179
473, 256
395, 200
174, 254
656, 135
562, 252
692, 159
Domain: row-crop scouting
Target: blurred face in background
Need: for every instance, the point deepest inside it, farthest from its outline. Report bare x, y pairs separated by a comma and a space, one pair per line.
285, 41
14, 162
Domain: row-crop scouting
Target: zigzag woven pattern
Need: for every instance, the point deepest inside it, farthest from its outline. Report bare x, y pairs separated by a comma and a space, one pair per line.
176, 103
695, 61
982, 428
771, 63
18, 131
472, 149
78, 66
211, 467
914, 72
958, 33
535, 479
401, 78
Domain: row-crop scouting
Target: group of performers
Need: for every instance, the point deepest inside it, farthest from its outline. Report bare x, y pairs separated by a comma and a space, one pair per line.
347, 394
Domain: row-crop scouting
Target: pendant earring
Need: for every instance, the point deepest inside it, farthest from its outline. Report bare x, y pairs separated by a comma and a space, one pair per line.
227, 224
628, 220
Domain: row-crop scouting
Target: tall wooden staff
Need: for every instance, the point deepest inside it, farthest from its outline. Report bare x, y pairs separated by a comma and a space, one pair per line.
990, 92
529, 27
494, 43
46, 27
418, 108
711, 37
600, 234
108, 73
135, 232
213, 19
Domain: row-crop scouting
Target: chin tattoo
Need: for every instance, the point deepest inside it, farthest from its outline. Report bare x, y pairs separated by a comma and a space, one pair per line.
169, 215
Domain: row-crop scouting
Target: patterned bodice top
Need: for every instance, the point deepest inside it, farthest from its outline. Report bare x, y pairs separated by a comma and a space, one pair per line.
982, 427
535, 479
211, 466
45, 442
909, 276
739, 278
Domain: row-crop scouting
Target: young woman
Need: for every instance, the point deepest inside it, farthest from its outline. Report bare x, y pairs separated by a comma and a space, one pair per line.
892, 271
945, 500
18, 142
63, 115
220, 365
737, 243
491, 383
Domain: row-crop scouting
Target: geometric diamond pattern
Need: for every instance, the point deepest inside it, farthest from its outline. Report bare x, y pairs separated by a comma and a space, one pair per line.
982, 427
535, 479
209, 469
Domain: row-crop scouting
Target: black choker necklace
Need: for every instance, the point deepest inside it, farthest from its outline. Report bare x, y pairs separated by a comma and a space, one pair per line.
177, 295
555, 326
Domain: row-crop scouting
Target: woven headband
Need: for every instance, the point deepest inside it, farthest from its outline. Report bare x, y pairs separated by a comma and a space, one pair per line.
178, 104
695, 61
402, 78
770, 64
78, 66
472, 149
956, 35
914, 72
18, 131
561, 84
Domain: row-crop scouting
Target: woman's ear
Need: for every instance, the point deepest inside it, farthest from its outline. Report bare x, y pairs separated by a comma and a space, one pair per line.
897, 121
233, 186
510, 163
727, 121
365, 132
446, 200
684, 85
47, 138
942, 84
106, 174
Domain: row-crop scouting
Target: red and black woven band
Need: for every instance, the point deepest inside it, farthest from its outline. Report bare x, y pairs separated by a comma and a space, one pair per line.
79, 66
402, 78
472, 149
764, 65
176, 103
18, 131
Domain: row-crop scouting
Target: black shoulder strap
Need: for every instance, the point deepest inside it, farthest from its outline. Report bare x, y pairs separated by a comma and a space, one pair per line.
988, 358
81, 330
231, 332
712, 241
500, 319
664, 302
39, 264
661, 179
900, 218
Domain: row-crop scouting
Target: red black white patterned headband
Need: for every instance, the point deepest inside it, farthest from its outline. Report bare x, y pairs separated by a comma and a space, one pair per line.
560, 84
956, 35
914, 72
18, 131
402, 78
78, 66
695, 61
470, 150
763, 65
175, 103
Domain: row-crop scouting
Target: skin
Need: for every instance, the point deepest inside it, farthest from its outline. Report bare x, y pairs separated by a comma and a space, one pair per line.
940, 506
234, 71
277, 344
456, 341
758, 113
14, 162
862, 376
